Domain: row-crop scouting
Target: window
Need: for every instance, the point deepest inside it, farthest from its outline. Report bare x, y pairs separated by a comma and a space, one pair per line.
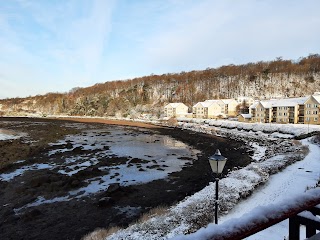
315, 119
316, 105
308, 119
285, 108
308, 105
284, 114
308, 112
315, 112
280, 114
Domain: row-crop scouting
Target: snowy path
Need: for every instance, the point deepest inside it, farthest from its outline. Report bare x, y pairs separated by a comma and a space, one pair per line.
283, 185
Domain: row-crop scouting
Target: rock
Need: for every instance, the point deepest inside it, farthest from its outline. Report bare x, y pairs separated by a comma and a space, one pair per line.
69, 145
32, 214
114, 187
105, 201
75, 183
77, 150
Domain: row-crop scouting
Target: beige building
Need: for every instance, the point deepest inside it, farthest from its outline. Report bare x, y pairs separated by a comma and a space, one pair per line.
311, 110
261, 111
288, 110
207, 109
244, 117
228, 106
176, 110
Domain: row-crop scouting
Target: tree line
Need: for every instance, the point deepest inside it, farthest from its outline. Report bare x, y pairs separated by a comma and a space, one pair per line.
148, 94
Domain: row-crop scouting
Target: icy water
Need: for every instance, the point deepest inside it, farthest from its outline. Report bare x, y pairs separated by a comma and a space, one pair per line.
146, 156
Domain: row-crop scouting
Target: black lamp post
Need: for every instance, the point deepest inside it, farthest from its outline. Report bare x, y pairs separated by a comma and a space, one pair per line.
217, 162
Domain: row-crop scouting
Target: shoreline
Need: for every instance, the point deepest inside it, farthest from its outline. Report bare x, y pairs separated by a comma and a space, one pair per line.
109, 122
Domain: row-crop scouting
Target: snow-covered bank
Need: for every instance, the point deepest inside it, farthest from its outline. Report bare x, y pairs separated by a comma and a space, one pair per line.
258, 215
271, 129
273, 152
281, 189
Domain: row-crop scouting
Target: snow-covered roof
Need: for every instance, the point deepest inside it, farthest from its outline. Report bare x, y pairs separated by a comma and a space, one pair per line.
246, 115
316, 97
288, 102
284, 102
174, 105
207, 103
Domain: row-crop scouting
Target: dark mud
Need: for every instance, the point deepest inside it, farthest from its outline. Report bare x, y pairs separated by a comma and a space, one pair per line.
118, 206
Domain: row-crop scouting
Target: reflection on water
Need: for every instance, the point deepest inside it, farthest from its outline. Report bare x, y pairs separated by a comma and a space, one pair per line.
172, 143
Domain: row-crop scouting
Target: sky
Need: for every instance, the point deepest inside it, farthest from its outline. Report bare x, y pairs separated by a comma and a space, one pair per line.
56, 45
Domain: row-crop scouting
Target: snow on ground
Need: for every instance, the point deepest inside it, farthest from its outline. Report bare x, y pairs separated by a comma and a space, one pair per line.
286, 184
272, 152
277, 130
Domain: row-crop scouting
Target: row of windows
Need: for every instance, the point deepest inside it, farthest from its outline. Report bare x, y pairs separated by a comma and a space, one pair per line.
309, 105
312, 112
308, 119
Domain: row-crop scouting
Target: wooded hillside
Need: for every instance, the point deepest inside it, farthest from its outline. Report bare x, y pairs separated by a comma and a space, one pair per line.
148, 94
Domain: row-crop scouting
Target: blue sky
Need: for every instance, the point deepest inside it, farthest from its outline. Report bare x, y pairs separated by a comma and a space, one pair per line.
55, 45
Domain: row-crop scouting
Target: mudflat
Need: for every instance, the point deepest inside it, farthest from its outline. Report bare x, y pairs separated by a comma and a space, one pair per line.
21, 215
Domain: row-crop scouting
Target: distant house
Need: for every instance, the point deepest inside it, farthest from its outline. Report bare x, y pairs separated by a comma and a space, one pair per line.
176, 110
244, 117
207, 109
228, 106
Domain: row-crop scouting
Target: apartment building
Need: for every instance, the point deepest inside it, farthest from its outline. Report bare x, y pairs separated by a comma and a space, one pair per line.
288, 110
311, 110
261, 111
228, 106
176, 110
207, 109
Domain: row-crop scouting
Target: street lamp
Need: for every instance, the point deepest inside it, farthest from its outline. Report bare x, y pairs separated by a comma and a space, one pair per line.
217, 162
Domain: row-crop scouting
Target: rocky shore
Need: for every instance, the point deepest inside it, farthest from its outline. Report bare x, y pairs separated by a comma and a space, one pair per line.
117, 206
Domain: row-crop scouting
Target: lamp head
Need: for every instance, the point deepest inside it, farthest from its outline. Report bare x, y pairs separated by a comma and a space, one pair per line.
217, 162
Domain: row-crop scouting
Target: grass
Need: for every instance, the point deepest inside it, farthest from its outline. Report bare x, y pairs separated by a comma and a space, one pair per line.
100, 233
103, 233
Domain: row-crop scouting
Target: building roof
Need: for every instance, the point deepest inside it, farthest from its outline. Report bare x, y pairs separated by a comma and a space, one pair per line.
174, 105
316, 97
289, 102
283, 102
246, 115
206, 103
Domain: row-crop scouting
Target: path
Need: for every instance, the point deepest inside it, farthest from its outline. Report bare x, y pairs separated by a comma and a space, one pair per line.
286, 184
